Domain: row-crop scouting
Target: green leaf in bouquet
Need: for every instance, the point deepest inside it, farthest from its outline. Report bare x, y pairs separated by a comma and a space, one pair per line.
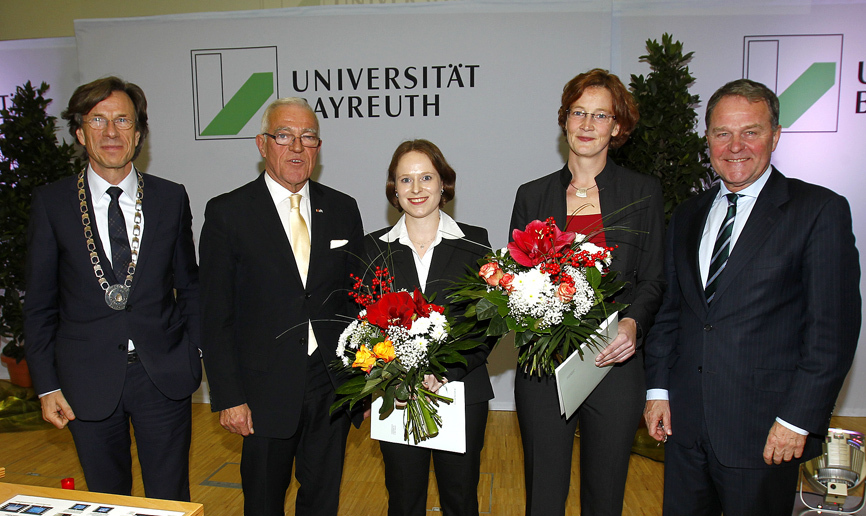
593, 276
498, 326
352, 385
485, 309
523, 338
402, 391
387, 403
452, 357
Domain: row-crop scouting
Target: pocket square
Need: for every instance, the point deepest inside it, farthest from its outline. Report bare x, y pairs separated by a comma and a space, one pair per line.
338, 243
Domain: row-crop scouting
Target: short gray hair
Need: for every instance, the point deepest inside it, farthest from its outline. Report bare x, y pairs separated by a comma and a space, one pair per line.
751, 91
287, 101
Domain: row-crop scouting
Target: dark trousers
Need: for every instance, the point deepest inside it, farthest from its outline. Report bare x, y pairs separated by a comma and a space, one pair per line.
608, 420
407, 470
696, 484
162, 435
317, 448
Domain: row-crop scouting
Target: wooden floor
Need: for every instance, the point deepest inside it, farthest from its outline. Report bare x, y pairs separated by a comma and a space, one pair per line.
43, 457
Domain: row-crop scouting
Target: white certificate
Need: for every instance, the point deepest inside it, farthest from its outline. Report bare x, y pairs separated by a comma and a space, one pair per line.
578, 376
452, 434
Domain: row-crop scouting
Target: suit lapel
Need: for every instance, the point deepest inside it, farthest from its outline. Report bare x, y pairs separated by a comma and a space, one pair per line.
97, 240
765, 215
693, 287
151, 210
267, 221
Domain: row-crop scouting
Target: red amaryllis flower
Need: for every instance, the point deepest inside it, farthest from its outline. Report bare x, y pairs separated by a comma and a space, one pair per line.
422, 307
538, 242
392, 309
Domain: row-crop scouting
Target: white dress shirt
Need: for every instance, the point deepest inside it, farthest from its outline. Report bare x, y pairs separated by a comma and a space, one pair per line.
99, 194
448, 228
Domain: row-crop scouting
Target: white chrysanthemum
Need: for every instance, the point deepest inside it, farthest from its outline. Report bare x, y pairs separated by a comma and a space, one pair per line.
438, 326
344, 338
535, 296
420, 326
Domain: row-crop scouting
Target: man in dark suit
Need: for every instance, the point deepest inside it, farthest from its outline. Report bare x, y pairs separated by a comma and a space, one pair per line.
111, 313
276, 255
758, 326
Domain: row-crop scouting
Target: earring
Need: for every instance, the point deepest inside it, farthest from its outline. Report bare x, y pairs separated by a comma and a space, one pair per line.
442, 191
396, 194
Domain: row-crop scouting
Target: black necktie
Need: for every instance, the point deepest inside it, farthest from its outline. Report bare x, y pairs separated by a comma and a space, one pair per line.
120, 253
722, 248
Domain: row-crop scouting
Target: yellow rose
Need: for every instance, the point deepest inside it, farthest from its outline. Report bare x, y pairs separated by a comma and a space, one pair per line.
364, 359
385, 351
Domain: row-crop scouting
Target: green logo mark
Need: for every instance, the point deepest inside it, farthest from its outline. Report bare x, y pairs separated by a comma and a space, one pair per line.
242, 106
805, 91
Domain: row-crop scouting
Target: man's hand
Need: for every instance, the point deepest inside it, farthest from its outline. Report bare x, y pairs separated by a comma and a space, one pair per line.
55, 410
657, 415
237, 420
783, 444
622, 347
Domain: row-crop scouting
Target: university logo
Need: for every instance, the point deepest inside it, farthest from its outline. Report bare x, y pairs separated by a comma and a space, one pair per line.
230, 88
805, 72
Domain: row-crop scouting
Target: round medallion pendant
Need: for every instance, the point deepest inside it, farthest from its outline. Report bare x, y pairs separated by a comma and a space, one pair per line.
116, 296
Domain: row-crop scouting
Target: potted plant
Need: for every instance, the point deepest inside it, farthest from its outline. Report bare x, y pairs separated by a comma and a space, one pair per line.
30, 156
665, 143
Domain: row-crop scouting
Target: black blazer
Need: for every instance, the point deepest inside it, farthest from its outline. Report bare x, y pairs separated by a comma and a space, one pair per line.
74, 341
639, 251
781, 333
452, 259
255, 308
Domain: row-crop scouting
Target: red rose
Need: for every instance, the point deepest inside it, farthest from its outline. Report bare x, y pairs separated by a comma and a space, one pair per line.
506, 282
565, 292
538, 243
491, 273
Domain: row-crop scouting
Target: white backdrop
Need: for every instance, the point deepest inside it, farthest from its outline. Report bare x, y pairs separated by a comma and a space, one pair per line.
496, 120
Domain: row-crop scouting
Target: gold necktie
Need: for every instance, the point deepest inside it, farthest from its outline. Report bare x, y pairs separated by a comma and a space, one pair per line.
300, 237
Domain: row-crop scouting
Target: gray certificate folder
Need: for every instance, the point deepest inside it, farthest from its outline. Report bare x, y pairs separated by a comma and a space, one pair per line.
578, 376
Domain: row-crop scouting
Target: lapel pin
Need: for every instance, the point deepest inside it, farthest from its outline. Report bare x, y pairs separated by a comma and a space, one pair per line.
319, 210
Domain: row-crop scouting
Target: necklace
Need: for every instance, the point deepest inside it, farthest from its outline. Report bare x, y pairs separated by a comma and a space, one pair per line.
423, 245
581, 192
117, 295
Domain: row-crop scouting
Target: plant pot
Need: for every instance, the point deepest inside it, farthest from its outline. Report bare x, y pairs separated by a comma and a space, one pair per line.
19, 374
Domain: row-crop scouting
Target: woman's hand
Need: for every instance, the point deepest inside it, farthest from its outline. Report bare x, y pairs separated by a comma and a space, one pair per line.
622, 347
432, 384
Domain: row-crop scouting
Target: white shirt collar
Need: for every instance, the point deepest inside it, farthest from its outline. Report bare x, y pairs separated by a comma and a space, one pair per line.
753, 190
280, 193
98, 185
448, 228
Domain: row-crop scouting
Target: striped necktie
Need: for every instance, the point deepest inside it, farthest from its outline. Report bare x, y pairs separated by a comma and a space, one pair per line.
722, 248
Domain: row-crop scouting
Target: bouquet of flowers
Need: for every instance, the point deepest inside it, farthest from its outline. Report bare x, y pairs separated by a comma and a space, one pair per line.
397, 339
549, 286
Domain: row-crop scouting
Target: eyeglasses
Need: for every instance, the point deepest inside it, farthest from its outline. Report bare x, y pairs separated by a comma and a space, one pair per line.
122, 123
601, 118
307, 140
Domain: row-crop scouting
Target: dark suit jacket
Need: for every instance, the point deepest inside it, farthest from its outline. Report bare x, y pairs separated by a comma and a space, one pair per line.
638, 256
781, 333
255, 307
452, 260
74, 341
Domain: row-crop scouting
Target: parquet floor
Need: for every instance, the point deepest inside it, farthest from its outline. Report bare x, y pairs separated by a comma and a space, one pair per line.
43, 457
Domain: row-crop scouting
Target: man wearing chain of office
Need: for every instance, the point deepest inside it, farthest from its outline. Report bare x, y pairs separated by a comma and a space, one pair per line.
111, 310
